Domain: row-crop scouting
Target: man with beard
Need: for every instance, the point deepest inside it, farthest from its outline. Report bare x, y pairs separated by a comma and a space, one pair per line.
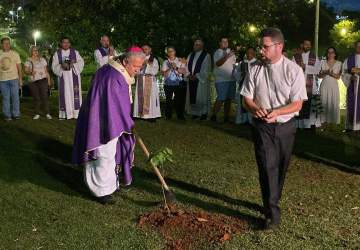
273, 92
104, 51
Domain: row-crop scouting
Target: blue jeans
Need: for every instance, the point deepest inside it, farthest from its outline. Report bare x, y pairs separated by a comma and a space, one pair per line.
10, 93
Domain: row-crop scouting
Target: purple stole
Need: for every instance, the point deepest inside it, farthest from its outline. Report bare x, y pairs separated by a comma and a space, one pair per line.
103, 51
75, 83
144, 94
309, 78
350, 95
306, 108
193, 85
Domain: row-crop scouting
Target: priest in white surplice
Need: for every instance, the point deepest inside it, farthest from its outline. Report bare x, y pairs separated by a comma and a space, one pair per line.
350, 76
198, 89
67, 64
146, 101
104, 51
311, 65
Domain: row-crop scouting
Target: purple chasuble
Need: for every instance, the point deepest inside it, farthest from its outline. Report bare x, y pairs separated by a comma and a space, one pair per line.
76, 83
350, 95
105, 115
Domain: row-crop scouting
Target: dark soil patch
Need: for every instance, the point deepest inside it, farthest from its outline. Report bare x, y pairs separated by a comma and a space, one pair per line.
183, 229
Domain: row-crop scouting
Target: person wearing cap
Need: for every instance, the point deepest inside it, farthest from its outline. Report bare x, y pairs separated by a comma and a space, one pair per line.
104, 132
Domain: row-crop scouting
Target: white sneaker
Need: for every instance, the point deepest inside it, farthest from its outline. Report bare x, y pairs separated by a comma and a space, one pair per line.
48, 116
36, 117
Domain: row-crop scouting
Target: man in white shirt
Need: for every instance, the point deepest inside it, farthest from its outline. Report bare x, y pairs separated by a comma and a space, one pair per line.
10, 80
225, 83
273, 92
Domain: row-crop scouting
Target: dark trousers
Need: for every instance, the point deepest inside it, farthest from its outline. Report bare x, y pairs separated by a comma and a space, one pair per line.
273, 148
175, 95
39, 91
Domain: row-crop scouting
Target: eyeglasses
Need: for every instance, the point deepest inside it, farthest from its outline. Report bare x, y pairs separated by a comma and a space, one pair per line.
266, 47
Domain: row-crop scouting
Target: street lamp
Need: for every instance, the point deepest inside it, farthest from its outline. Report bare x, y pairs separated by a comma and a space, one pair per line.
17, 13
252, 28
12, 13
317, 14
343, 32
36, 35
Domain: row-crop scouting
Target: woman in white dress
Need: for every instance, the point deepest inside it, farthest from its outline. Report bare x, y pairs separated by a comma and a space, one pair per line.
329, 89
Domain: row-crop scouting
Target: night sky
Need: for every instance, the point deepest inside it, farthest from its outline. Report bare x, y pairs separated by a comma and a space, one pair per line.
344, 4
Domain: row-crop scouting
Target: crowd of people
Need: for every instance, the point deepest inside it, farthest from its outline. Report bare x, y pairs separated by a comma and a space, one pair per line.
187, 82
274, 93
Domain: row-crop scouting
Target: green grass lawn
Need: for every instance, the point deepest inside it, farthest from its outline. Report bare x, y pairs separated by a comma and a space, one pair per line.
45, 205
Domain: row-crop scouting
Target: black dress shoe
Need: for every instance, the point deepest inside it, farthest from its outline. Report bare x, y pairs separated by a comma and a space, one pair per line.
106, 200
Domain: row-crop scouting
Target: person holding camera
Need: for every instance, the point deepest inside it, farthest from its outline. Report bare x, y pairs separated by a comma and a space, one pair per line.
174, 71
36, 68
225, 82
67, 64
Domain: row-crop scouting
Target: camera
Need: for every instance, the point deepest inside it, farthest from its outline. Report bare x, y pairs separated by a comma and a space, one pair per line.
66, 65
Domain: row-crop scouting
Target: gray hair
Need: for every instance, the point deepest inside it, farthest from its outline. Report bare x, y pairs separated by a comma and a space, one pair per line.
127, 55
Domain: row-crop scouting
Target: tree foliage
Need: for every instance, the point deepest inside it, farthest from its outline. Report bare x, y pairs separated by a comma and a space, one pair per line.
168, 22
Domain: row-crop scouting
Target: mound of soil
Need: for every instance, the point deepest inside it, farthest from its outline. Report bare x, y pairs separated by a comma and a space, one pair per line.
184, 229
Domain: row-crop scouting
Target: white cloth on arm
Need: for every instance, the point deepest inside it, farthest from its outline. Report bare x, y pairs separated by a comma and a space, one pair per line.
70, 112
203, 102
154, 108
275, 85
102, 60
100, 175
